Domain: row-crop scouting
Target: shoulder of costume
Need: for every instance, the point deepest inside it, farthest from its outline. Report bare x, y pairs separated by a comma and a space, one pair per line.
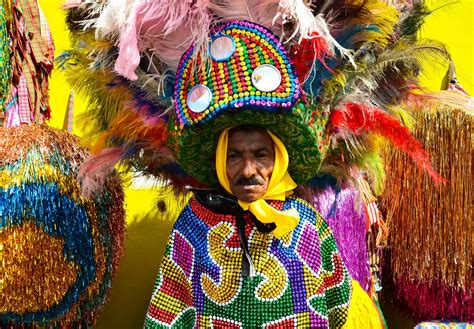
300, 204
308, 214
216, 200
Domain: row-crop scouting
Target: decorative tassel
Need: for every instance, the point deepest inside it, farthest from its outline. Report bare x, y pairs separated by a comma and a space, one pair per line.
342, 210
59, 250
431, 228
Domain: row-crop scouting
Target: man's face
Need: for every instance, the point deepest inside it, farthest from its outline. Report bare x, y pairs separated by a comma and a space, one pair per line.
250, 159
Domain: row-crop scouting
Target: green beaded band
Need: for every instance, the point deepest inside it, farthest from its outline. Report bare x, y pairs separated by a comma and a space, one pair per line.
306, 144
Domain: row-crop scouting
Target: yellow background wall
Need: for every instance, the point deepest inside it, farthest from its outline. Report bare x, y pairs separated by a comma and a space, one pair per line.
148, 229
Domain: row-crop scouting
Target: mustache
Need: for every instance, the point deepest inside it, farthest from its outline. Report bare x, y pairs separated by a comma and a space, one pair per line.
250, 181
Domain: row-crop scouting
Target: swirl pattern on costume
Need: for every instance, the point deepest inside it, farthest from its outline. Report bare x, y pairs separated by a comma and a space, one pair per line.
310, 290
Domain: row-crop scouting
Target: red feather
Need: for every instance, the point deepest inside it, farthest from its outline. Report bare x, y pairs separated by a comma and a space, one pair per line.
359, 118
305, 53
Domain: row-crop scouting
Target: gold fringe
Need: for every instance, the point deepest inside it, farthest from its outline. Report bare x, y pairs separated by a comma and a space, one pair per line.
430, 227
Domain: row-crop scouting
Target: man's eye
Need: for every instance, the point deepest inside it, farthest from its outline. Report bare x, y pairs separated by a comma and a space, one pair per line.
232, 156
261, 155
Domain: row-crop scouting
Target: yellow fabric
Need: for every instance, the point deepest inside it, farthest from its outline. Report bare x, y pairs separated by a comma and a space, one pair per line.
362, 311
279, 187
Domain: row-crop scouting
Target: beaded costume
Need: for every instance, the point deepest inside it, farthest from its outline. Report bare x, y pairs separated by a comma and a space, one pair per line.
297, 281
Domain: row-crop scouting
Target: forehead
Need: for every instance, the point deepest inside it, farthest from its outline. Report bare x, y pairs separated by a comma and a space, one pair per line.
253, 138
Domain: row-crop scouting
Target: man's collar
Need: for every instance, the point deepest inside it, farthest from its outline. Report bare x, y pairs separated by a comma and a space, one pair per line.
221, 202
217, 200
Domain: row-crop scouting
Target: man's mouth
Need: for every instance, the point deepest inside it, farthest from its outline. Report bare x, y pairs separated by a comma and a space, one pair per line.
253, 181
249, 187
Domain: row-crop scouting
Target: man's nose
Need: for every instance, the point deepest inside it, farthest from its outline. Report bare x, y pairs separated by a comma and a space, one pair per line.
249, 168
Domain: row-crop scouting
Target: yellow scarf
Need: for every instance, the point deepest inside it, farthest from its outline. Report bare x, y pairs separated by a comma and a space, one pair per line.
280, 186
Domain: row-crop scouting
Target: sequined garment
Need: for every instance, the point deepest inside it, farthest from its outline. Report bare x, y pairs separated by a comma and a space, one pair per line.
206, 280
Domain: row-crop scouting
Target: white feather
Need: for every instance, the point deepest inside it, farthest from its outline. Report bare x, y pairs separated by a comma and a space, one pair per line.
113, 17
298, 12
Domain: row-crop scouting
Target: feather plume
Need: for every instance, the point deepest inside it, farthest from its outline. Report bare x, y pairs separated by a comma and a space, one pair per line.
132, 135
129, 54
412, 20
69, 4
257, 11
306, 53
361, 54
74, 19
388, 78
379, 21
94, 169
235, 9
85, 14
306, 24
166, 28
135, 123
454, 100
372, 163
368, 29
105, 91
113, 17
359, 118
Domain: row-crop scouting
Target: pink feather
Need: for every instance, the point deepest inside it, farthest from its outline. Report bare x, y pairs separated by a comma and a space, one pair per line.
129, 55
257, 11
69, 4
167, 28
96, 168
260, 12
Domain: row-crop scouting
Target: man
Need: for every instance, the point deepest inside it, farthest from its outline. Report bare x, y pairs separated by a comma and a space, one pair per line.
254, 256
281, 67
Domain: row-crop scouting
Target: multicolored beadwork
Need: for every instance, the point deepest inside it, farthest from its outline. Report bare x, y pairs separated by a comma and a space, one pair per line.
233, 80
444, 325
59, 250
300, 280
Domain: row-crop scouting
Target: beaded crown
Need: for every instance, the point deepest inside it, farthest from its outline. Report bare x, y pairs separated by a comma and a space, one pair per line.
233, 78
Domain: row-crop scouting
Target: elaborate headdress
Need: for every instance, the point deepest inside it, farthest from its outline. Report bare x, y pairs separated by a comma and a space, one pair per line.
164, 78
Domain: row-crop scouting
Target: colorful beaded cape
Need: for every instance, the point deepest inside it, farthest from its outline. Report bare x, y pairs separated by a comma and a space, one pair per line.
300, 280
